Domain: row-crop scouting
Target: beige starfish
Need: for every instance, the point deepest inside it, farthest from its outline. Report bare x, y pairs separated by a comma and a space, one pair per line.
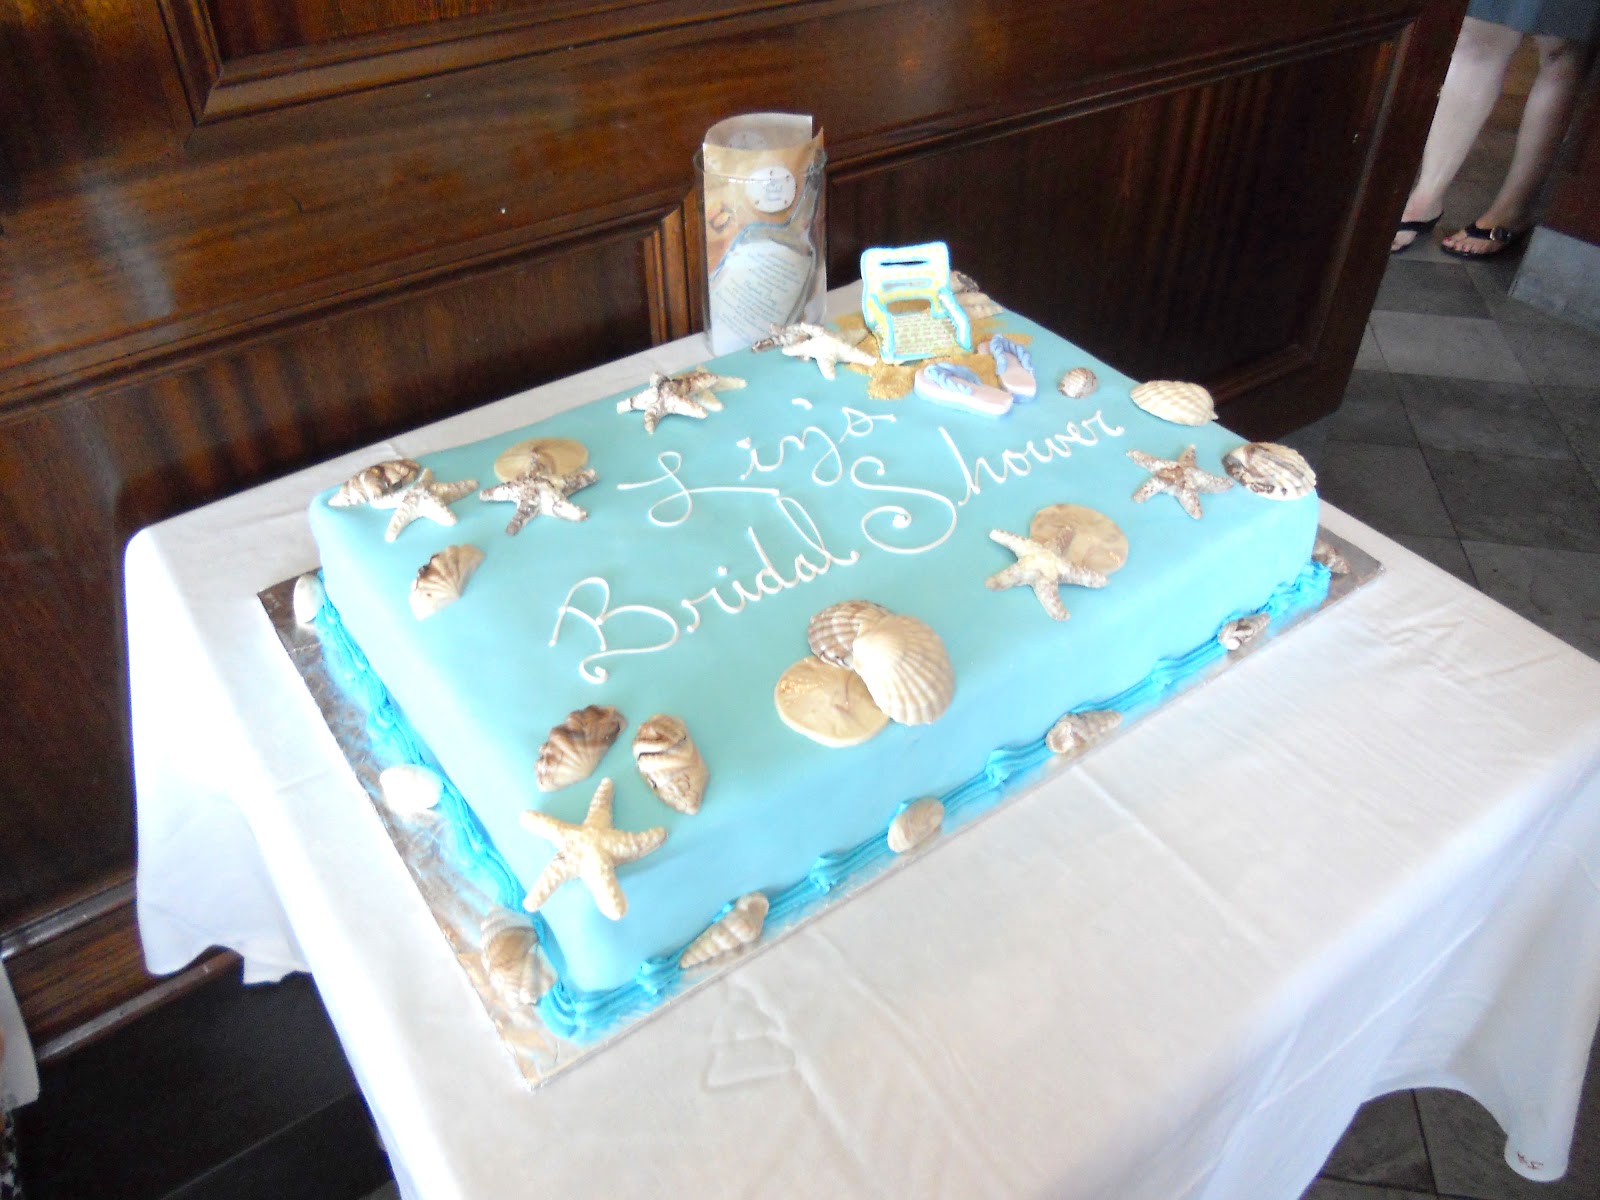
538, 491
687, 395
591, 852
1181, 480
828, 352
424, 498
1042, 567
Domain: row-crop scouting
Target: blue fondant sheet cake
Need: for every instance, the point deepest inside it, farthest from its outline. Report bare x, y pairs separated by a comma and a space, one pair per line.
707, 547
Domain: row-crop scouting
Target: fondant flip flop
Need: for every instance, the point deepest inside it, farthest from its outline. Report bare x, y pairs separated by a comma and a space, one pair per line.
960, 387
1013, 365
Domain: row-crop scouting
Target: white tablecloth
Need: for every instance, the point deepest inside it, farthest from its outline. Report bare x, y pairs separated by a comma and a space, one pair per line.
1364, 859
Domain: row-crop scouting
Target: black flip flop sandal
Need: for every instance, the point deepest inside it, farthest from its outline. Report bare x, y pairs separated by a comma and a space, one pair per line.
1420, 228
1500, 238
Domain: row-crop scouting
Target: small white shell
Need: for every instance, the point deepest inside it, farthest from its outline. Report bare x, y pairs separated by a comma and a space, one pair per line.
509, 949
738, 928
376, 482
1324, 553
833, 631
409, 789
1077, 732
442, 579
1174, 401
906, 668
308, 597
671, 763
1078, 383
575, 747
1236, 635
1270, 470
915, 824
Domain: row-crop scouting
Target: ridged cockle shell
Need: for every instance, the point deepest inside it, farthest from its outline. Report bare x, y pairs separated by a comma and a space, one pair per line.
1175, 401
575, 747
832, 632
442, 579
906, 668
1270, 470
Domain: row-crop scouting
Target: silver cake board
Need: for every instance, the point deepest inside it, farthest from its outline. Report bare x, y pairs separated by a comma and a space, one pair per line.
429, 847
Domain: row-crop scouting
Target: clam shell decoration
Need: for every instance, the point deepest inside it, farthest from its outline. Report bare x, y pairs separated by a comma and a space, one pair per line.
376, 482
915, 824
1078, 383
833, 631
1270, 470
1077, 732
509, 949
737, 928
442, 579
1236, 635
409, 789
1085, 537
671, 763
1179, 403
906, 668
575, 747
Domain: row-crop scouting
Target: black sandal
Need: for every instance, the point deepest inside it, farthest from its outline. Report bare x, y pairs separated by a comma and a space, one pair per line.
1420, 228
1500, 239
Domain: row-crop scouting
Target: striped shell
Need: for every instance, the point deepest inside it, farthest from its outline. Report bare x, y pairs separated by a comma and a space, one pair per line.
376, 482
833, 631
1236, 635
442, 579
1078, 732
1078, 383
671, 763
1180, 403
737, 928
915, 824
906, 668
1270, 470
409, 789
575, 747
509, 948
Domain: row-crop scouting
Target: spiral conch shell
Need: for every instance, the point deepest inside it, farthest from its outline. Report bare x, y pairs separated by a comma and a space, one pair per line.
1174, 401
443, 578
915, 824
1270, 470
509, 950
1078, 732
376, 482
739, 926
575, 747
1078, 383
833, 631
671, 763
1238, 634
906, 668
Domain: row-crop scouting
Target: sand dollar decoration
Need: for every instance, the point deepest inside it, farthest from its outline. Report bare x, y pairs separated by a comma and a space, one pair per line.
575, 747
443, 578
828, 704
1270, 470
1084, 536
1175, 401
558, 456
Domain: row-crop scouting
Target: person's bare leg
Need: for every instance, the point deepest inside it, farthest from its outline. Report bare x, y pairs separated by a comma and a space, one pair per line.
1471, 87
1544, 121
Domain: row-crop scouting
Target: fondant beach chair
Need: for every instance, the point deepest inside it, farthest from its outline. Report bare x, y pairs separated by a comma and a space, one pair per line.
907, 302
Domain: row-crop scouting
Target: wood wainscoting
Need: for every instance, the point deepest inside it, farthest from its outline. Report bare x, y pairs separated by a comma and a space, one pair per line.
236, 238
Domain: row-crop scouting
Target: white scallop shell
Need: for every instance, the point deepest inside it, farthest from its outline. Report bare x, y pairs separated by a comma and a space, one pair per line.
509, 949
442, 579
376, 482
1078, 383
1270, 470
1172, 400
409, 789
833, 631
738, 928
1324, 553
1236, 635
1077, 732
671, 763
915, 824
575, 747
906, 668
308, 597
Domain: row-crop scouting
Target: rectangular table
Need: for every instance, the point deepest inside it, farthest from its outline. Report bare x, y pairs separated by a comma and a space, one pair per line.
1364, 859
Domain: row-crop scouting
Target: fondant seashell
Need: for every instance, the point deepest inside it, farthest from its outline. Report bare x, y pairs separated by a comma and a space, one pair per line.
961, 282
828, 704
737, 928
442, 579
833, 631
915, 824
509, 949
575, 747
1078, 383
1077, 732
558, 456
376, 482
978, 305
1270, 470
409, 789
1172, 400
1324, 553
1085, 537
906, 667
308, 597
1236, 635
671, 763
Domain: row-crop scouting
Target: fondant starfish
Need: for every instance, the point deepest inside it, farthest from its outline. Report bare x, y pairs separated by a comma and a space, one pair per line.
424, 498
1181, 480
784, 336
590, 852
688, 395
538, 491
828, 351
1042, 567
